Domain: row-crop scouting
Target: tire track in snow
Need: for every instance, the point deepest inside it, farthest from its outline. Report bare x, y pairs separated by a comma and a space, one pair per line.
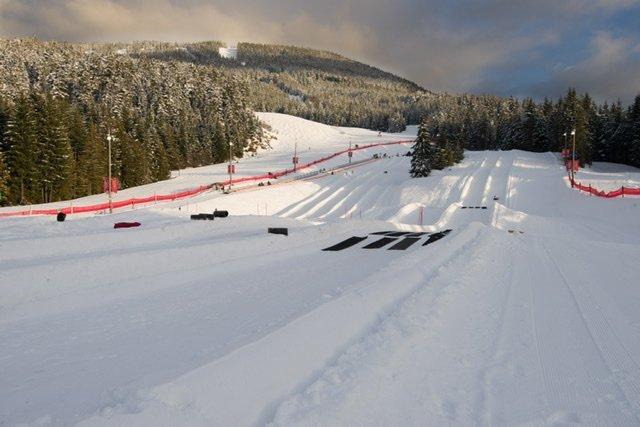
383, 318
398, 353
497, 359
576, 380
253, 375
290, 211
623, 368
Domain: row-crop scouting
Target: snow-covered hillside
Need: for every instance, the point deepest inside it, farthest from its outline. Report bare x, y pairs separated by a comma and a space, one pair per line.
314, 140
524, 313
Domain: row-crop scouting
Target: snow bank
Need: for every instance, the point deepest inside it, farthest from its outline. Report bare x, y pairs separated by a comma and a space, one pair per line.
526, 313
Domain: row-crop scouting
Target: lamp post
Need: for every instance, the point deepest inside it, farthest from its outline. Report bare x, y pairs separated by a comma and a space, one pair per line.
109, 184
573, 157
565, 140
230, 163
295, 155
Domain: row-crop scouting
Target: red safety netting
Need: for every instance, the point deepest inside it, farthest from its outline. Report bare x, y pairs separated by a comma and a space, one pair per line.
188, 193
620, 192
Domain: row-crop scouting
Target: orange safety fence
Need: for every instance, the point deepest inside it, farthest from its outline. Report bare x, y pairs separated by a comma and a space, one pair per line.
132, 202
619, 192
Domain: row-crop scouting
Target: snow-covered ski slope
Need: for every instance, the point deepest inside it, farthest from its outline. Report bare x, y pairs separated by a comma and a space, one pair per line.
313, 140
525, 313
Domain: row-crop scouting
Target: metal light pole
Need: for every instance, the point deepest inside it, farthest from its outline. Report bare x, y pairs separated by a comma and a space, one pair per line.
109, 184
230, 163
565, 140
573, 157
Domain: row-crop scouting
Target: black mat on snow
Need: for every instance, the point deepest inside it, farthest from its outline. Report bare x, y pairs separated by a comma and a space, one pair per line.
435, 237
380, 243
404, 243
345, 243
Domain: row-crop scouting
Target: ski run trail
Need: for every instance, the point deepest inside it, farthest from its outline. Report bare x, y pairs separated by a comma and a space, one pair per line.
525, 313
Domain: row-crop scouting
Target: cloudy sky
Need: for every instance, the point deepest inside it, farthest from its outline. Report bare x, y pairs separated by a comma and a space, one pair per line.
507, 47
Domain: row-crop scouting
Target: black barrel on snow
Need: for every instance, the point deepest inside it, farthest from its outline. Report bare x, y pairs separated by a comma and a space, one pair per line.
202, 216
221, 214
278, 230
61, 216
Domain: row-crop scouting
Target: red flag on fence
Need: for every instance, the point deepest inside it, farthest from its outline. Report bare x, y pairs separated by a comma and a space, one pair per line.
115, 184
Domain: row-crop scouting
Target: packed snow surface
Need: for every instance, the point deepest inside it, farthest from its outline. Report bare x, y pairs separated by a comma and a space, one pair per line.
526, 313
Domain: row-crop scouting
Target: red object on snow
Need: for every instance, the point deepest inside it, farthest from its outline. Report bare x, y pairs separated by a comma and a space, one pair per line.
126, 224
573, 165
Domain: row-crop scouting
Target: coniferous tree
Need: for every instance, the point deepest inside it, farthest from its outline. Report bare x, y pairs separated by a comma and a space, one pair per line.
54, 163
634, 132
20, 142
92, 163
4, 119
422, 153
4, 179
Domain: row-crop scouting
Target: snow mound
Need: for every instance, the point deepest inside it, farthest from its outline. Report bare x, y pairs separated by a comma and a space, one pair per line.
228, 52
312, 136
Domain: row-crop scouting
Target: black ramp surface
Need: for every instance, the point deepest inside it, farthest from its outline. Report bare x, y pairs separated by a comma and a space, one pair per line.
345, 244
404, 243
417, 234
398, 233
435, 237
380, 243
382, 232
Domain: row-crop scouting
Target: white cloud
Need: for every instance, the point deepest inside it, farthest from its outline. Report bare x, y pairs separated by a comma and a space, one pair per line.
441, 45
611, 72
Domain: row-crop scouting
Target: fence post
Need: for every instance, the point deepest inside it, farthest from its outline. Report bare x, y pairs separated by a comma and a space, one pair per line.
623, 191
590, 193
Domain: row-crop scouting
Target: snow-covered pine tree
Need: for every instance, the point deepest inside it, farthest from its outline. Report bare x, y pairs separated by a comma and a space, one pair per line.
422, 153
55, 157
4, 179
92, 163
634, 132
20, 142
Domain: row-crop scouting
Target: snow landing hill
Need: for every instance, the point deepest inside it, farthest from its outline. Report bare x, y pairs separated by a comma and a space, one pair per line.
526, 312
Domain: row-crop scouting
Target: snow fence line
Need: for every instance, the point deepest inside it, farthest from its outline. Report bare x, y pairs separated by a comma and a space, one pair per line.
191, 192
619, 192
